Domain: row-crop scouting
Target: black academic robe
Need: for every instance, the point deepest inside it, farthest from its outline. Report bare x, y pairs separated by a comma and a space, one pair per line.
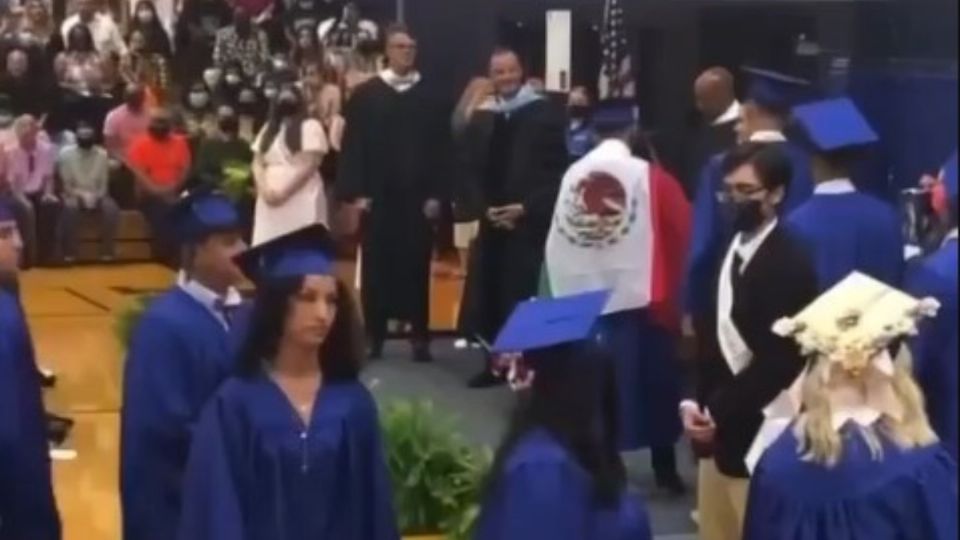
520, 158
778, 282
395, 149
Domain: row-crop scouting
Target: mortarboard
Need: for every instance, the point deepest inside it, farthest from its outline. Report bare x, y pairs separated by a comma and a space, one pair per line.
855, 320
305, 252
615, 115
776, 91
542, 323
950, 179
834, 124
201, 212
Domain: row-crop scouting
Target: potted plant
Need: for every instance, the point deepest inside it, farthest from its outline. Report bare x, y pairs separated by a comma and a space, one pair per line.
436, 476
127, 319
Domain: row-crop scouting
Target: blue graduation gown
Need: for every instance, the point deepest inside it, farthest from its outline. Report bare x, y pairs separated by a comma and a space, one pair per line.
27, 506
906, 495
847, 232
648, 378
935, 347
179, 355
256, 472
712, 234
543, 494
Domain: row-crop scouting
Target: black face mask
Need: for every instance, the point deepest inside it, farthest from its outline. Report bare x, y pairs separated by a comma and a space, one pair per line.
229, 125
744, 216
287, 107
159, 130
579, 112
86, 140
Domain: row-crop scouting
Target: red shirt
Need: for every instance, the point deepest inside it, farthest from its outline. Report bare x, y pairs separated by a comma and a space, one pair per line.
165, 162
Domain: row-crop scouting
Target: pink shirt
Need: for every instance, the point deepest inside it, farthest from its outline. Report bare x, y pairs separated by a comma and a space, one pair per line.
125, 125
28, 172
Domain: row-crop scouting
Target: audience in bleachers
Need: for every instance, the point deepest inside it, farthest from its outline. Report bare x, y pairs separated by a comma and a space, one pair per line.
85, 174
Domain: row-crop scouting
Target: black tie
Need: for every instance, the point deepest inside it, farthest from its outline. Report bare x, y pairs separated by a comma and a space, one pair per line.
735, 270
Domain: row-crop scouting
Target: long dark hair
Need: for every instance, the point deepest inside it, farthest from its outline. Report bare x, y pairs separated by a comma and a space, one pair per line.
292, 126
80, 32
340, 355
574, 398
158, 41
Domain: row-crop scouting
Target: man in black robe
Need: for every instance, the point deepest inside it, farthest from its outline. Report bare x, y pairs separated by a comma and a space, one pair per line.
392, 166
515, 168
719, 112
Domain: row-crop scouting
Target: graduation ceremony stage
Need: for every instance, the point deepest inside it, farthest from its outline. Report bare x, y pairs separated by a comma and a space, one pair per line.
72, 313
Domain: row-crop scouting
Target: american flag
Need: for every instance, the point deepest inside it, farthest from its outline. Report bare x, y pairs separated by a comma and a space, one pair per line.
616, 72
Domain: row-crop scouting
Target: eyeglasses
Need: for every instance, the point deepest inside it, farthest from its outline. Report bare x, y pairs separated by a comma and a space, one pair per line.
731, 193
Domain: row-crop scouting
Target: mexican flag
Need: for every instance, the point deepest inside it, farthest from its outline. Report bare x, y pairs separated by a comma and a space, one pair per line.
619, 223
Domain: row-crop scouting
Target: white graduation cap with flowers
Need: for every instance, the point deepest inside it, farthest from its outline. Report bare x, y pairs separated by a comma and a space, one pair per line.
851, 326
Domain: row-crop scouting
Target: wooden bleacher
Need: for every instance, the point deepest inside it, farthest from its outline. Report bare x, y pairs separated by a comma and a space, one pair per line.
133, 238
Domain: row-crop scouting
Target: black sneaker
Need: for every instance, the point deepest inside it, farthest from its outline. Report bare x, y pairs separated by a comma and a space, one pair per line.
485, 379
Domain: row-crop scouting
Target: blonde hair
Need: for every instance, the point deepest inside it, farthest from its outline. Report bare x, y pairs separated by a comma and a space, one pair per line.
821, 443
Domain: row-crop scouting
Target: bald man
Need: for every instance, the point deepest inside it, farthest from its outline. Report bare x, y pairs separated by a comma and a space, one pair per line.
716, 101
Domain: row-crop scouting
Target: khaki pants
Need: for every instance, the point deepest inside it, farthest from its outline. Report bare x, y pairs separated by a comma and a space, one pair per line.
721, 503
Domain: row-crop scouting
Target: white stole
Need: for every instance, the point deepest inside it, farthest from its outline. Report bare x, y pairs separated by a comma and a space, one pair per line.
735, 350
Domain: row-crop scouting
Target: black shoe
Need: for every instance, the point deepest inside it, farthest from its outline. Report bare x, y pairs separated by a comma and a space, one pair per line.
375, 352
672, 484
48, 379
422, 354
58, 428
485, 379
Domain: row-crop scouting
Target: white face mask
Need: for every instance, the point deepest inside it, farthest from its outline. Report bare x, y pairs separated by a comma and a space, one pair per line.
233, 79
211, 77
145, 16
270, 93
198, 99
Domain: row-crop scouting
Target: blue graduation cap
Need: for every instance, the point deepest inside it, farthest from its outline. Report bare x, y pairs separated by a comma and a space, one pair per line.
542, 323
615, 115
776, 91
834, 124
950, 178
202, 212
308, 251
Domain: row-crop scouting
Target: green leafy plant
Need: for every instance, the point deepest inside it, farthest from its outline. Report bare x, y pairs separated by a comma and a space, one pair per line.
436, 475
237, 180
127, 319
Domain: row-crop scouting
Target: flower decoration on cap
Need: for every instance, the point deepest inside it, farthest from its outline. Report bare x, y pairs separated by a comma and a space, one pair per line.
853, 323
515, 370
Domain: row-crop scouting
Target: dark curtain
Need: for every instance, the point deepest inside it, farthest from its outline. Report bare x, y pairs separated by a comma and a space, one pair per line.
914, 110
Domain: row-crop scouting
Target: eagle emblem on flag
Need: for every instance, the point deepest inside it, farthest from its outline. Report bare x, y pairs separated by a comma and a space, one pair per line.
596, 212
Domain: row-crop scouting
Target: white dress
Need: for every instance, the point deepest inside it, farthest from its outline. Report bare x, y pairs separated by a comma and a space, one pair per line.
308, 205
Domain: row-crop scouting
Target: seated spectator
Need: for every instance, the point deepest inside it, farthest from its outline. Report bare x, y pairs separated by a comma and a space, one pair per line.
125, 123
147, 20
305, 14
223, 160
85, 172
148, 69
80, 68
159, 160
252, 111
196, 33
106, 35
36, 27
306, 49
29, 165
199, 113
233, 80
242, 42
24, 84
